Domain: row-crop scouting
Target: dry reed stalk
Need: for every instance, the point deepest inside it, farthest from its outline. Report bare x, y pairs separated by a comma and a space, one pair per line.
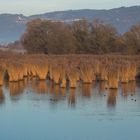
2, 71
87, 74
73, 76
113, 77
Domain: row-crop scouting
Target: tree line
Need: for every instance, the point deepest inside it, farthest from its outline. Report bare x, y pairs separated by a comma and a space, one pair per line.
79, 37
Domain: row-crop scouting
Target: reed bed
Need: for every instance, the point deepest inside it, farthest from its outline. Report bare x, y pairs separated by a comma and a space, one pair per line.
72, 68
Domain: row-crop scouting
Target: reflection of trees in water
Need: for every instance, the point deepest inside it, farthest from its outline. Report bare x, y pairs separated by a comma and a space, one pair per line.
72, 98
86, 90
111, 101
2, 97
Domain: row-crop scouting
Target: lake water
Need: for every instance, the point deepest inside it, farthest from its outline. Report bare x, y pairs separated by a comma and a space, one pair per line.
31, 110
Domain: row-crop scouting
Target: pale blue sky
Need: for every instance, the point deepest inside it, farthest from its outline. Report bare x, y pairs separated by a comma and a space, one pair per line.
29, 7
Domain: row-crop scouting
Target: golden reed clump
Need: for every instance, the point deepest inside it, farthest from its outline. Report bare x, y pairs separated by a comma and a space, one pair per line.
113, 77
55, 73
73, 76
87, 74
132, 71
124, 72
15, 71
63, 77
42, 69
104, 73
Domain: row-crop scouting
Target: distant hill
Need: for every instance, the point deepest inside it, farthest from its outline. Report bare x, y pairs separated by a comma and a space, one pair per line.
13, 25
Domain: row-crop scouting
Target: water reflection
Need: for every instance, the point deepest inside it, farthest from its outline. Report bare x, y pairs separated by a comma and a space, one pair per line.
102, 87
86, 90
16, 89
2, 97
111, 100
124, 89
72, 97
54, 93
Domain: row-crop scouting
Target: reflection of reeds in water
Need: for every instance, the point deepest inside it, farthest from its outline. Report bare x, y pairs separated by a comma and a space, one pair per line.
102, 86
132, 87
111, 101
16, 88
55, 91
1, 75
124, 89
2, 98
86, 90
41, 87
72, 98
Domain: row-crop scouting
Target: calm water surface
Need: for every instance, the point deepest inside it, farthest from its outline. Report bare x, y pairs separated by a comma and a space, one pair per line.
31, 110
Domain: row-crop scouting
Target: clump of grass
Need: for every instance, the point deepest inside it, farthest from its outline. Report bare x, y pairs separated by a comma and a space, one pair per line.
63, 77
124, 72
113, 77
132, 71
55, 73
87, 74
104, 72
41, 69
73, 76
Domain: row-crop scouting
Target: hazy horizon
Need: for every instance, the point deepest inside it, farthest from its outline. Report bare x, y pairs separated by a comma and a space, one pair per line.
42, 6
